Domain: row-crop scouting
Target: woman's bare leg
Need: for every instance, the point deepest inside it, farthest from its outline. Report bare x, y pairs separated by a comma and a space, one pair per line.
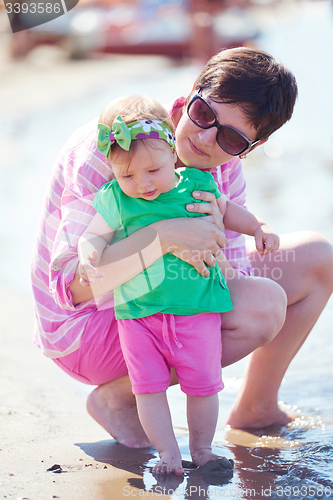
113, 406
155, 417
258, 314
304, 268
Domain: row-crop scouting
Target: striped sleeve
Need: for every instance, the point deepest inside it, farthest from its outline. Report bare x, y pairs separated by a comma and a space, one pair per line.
84, 171
75, 215
79, 172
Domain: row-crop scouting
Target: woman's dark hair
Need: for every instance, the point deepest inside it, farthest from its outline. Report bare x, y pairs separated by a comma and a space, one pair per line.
265, 88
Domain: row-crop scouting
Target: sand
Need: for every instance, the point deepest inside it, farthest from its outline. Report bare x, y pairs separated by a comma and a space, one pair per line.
43, 422
50, 446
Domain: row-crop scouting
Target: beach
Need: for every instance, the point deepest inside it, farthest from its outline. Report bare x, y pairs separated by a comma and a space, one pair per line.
43, 421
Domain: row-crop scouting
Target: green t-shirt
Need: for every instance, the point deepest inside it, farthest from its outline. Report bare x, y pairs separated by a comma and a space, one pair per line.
170, 285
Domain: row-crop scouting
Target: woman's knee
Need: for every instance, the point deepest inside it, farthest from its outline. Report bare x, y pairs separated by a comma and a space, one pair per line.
276, 307
321, 258
259, 309
271, 311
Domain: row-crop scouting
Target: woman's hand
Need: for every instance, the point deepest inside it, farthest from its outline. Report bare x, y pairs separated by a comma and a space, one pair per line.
211, 208
198, 240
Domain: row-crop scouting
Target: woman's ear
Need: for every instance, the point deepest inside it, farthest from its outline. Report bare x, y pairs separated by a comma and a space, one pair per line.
262, 141
259, 143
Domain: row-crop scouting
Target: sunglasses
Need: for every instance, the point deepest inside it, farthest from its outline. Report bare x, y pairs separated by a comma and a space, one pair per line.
230, 140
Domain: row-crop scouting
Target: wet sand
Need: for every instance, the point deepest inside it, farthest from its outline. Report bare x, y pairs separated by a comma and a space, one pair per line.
44, 425
43, 419
39, 412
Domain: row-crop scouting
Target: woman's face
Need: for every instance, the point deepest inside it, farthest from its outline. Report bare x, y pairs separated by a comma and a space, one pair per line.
197, 147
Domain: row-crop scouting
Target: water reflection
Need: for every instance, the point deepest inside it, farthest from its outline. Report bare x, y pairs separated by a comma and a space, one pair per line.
259, 472
194, 484
304, 471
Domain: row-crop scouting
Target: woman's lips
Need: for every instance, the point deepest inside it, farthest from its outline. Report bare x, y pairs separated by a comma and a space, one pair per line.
195, 149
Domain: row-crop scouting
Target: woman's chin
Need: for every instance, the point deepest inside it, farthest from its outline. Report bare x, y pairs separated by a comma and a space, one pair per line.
188, 160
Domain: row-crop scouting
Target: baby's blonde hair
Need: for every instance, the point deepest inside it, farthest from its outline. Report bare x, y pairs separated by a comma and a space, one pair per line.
133, 108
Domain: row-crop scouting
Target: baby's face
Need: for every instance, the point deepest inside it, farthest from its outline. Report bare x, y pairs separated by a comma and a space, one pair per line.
150, 172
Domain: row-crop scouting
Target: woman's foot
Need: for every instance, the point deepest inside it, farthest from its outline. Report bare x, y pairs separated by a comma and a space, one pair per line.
241, 417
113, 406
170, 462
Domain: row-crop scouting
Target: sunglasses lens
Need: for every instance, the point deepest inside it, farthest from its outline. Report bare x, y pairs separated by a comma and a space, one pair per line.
201, 114
231, 142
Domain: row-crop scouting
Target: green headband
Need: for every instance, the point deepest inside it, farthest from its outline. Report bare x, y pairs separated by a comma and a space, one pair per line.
124, 134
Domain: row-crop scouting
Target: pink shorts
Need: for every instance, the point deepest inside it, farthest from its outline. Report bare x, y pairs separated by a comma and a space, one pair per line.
190, 344
99, 358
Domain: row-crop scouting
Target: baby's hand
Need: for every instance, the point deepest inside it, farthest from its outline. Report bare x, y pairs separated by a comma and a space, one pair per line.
266, 240
88, 269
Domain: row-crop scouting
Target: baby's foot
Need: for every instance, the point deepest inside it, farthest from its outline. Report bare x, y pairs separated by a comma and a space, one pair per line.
170, 461
210, 462
203, 455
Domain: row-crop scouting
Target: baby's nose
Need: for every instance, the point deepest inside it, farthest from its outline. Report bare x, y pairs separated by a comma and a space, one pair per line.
144, 181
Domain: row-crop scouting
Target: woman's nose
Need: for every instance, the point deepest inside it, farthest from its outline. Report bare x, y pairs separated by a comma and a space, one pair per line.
208, 136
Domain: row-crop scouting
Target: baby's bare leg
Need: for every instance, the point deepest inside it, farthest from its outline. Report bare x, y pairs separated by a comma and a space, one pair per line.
202, 415
155, 418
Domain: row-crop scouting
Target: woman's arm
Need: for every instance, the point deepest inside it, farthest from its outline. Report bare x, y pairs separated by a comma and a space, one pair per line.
194, 240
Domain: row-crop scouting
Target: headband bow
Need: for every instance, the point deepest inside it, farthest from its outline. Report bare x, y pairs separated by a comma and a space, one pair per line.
124, 134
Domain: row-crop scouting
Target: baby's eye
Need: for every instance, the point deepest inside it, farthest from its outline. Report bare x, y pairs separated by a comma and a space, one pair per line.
129, 176
154, 170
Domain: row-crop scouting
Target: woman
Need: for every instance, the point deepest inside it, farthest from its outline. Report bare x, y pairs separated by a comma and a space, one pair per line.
253, 95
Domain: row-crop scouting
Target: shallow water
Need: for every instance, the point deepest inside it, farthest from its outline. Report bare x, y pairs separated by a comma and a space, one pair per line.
290, 183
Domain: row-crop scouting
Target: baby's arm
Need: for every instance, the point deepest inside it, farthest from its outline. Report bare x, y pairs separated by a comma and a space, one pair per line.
240, 220
91, 245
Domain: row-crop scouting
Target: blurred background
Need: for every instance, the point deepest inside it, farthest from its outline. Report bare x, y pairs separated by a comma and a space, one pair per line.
180, 29
60, 75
